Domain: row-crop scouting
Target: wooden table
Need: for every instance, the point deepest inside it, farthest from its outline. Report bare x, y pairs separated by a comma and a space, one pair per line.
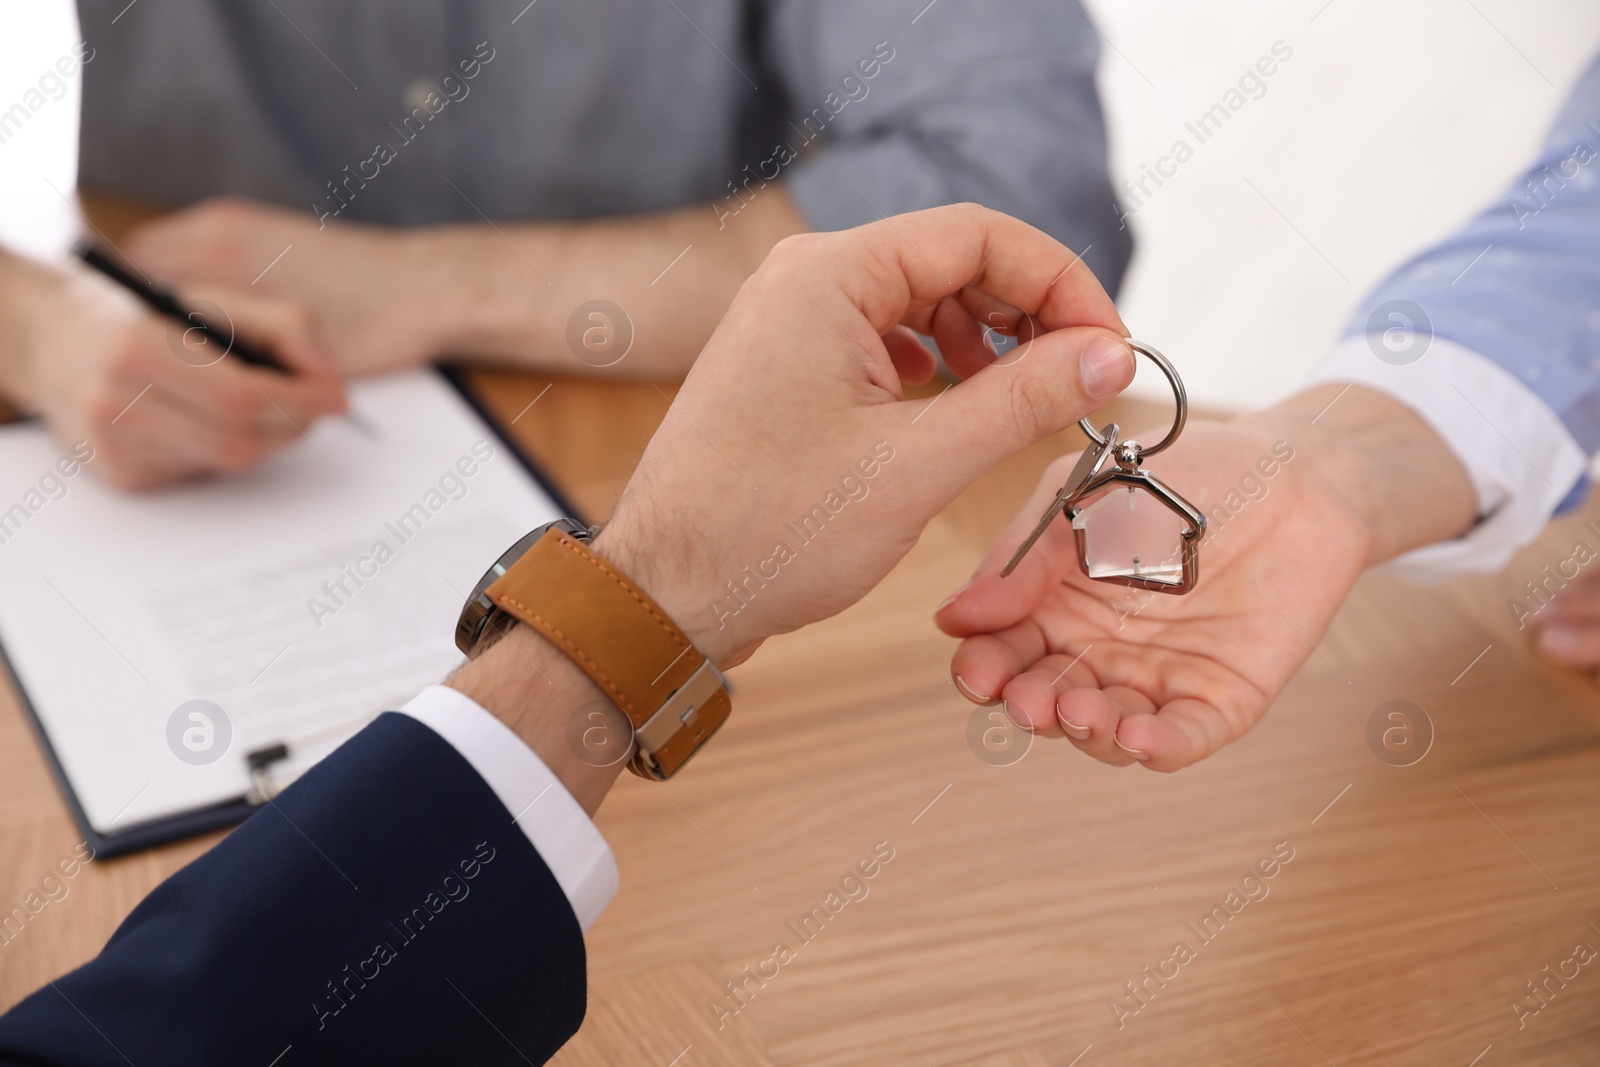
1024, 893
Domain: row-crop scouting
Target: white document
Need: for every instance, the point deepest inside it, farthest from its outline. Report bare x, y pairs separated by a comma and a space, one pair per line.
301, 598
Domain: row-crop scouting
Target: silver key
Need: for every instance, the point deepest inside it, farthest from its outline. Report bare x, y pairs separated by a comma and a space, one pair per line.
1090, 464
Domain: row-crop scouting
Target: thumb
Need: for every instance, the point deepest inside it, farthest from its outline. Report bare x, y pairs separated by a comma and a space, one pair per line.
286, 330
283, 327
1042, 387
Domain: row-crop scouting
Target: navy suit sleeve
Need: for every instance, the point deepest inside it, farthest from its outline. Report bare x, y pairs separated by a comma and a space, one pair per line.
384, 909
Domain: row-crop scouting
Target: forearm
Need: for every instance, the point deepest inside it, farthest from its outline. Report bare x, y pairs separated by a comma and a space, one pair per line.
509, 291
1404, 483
532, 687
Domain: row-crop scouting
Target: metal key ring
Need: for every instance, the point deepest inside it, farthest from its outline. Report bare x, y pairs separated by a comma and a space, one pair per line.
1181, 417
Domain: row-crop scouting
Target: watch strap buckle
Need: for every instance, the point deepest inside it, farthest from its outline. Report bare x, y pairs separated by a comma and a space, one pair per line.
676, 730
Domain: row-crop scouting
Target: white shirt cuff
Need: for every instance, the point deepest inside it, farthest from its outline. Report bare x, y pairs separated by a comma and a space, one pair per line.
557, 826
1522, 460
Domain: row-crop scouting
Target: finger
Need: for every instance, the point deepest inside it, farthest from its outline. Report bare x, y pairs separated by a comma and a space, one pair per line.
989, 602
1092, 718
960, 338
146, 377
137, 472
220, 387
133, 462
221, 417
1023, 327
983, 665
997, 315
216, 383
1030, 697
1570, 644
232, 396
911, 358
1578, 602
1182, 732
161, 430
281, 327
896, 270
139, 456
1014, 403
913, 261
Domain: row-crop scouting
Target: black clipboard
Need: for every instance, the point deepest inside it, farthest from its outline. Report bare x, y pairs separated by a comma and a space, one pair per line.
170, 828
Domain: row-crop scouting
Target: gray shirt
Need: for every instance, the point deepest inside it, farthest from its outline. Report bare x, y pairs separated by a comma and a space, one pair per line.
409, 112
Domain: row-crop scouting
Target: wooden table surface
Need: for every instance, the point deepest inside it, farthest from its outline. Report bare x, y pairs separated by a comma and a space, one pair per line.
1027, 891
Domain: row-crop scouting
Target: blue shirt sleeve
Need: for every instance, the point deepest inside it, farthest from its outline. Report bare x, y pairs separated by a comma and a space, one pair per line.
1520, 284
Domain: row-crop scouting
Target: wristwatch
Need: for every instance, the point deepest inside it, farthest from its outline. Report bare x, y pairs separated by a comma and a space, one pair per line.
674, 697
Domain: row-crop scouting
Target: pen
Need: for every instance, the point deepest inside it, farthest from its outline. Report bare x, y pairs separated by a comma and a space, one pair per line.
164, 303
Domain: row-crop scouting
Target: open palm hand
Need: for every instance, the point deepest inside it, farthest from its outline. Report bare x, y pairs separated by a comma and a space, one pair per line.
1130, 675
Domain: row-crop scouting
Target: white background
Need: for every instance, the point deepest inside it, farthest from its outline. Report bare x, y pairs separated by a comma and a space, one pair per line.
33, 216
1392, 124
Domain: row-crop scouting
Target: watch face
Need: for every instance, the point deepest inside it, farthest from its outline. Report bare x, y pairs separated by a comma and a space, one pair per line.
479, 609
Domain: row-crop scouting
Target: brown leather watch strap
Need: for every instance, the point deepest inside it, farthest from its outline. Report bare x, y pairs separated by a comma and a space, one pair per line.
624, 642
